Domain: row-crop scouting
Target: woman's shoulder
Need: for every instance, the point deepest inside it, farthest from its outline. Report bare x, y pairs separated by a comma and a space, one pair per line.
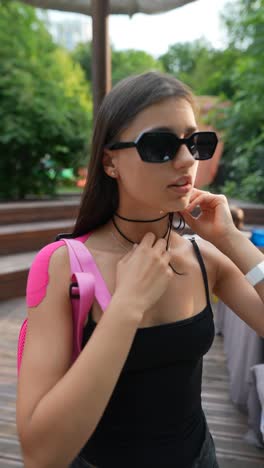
53, 255
213, 258
57, 249
43, 256
38, 276
208, 251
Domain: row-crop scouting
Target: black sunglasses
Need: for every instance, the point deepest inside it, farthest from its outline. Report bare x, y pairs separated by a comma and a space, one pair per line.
159, 147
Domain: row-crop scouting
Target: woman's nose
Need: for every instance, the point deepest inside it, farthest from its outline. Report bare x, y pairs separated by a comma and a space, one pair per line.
183, 157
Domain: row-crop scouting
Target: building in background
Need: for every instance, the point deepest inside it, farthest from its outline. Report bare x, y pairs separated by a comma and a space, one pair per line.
67, 30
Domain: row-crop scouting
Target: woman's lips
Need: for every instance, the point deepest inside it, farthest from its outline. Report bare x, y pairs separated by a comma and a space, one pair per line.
181, 188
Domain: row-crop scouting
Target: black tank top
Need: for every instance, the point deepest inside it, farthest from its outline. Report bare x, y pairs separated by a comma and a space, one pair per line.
154, 417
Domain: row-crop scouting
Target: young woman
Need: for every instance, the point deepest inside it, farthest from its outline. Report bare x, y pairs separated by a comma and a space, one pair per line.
132, 398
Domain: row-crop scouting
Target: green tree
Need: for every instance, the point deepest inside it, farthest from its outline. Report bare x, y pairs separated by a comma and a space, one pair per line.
45, 106
131, 62
206, 70
183, 57
243, 162
82, 54
124, 63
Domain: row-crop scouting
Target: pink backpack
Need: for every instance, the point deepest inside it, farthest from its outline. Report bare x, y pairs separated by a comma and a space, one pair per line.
87, 284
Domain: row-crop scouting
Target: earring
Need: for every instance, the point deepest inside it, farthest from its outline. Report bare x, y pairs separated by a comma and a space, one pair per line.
113, 173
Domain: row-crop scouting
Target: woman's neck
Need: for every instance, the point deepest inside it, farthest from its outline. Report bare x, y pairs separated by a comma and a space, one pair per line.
134, 227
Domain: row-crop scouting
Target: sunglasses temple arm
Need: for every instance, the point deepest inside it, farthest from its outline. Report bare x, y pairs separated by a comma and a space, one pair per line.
121, 145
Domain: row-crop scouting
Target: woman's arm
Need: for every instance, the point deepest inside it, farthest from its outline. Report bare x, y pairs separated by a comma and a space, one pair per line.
58, 406
233, 254
244, 254
232, 287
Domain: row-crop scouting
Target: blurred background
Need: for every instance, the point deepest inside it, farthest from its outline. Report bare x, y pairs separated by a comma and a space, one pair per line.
46, 88
52, 65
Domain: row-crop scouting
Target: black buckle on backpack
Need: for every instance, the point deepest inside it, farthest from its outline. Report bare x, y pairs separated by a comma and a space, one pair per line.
72, 295
65, 235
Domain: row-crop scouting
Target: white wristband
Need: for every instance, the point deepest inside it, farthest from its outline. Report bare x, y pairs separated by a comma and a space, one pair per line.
256, 275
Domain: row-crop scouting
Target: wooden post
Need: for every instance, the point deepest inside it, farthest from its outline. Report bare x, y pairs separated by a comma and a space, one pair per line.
101, 54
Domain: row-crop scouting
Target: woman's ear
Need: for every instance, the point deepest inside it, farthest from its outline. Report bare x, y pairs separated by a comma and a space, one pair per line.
109, 164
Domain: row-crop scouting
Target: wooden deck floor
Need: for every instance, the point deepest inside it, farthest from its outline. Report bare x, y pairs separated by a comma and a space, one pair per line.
227, 424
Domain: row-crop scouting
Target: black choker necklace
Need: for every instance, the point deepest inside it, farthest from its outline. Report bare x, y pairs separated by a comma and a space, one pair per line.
137, 221
143, 220
170, 215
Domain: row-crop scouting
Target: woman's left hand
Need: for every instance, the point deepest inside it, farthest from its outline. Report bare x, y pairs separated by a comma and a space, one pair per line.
215, 220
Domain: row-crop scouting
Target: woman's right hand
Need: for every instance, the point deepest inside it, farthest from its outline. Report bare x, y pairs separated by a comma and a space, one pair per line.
143, 274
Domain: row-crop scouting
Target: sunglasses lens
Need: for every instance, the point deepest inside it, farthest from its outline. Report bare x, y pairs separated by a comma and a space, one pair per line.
157, 147
203, 145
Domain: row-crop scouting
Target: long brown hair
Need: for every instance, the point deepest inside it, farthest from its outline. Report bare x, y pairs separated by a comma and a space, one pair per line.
130, 96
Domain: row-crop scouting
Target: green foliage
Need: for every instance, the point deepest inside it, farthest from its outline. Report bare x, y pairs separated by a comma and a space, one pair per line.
244, 22
82, 54
124, 63
244, 121
45, 104
205, 69
182, 58
45, 107
131, 62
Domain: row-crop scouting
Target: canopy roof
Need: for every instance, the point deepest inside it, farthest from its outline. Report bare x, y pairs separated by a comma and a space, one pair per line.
117, 7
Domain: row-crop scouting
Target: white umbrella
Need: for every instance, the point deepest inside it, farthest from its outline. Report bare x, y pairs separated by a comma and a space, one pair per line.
122, 7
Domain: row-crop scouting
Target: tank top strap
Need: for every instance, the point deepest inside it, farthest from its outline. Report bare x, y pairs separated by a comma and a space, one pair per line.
202, 266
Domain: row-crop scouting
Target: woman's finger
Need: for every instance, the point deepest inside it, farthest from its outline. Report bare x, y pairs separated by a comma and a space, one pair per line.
148, 239
194, 203
188, 218
160, 246
196, 193
206, 199
129, 253
167, 256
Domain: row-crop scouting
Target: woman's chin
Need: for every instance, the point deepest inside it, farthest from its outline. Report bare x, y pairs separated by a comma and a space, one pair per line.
180, 203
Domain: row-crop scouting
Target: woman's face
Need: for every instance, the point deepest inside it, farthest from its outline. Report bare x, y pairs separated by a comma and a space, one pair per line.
143, 186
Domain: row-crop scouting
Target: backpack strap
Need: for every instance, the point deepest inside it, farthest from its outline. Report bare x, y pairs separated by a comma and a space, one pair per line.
85, 262
87, 283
